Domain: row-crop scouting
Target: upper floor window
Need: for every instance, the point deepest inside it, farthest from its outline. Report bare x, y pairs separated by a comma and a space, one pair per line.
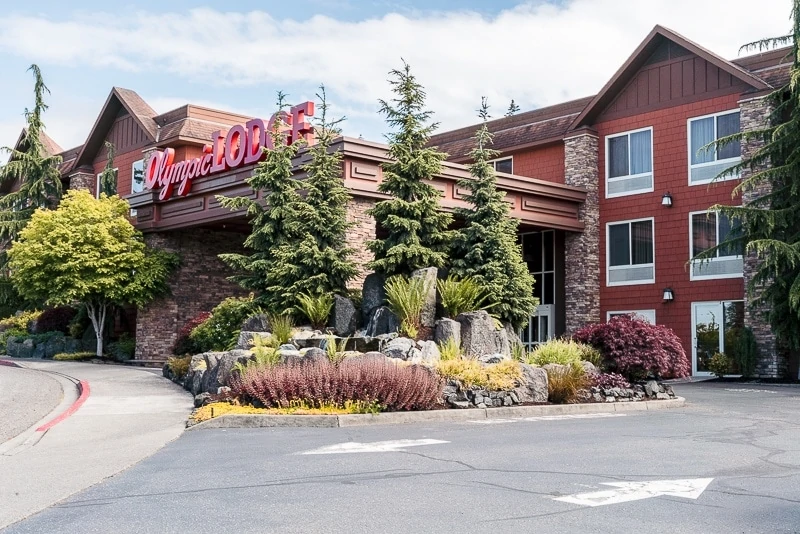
629, 163
630, 253
503, 165
707, 230
137, 176
707, 164
97, 183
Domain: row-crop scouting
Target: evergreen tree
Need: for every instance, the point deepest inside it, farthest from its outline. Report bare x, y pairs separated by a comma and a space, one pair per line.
417, 234
36, 172
769, 225
318, 262
512, 108
108, 178
486, 247
272, 225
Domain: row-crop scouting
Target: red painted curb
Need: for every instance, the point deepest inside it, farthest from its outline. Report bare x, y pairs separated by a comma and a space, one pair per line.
9, 363
83, 386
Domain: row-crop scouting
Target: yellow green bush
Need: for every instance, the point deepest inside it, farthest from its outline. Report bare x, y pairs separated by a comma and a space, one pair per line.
21, 321
216, 409
74, 356
179, 365
560, 351
450, 349
501, 376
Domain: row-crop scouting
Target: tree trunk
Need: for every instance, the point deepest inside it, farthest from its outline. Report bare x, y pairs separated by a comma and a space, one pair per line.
97, 314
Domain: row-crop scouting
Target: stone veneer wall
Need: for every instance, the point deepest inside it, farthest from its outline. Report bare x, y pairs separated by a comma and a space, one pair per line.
363, 230
582, 250
199, 284
772, 361
82, 181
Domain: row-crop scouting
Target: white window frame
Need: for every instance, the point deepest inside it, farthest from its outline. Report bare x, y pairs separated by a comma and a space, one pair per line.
493, 163
629, 176
97, 182
732, 161
133, 166
693, 277
609, 268
649, 315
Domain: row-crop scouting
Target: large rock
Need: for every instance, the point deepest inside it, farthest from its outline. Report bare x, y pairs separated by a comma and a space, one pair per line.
308, 338
497, 357
479, 336
345, 318
38, 351
427, 353
447, 329
20, 348
382, 321
210, 381
193, 381
54, 345
428, 276
246, 338
398, 348
256, 323
314, 354
227, 363
534, 384
373, 295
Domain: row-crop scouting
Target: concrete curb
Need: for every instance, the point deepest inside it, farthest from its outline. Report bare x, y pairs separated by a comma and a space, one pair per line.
434, 416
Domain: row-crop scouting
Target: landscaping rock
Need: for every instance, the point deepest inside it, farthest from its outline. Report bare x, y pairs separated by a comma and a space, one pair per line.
651, 388
38, 351
72, 345
290, 355
479, 335
381, 321
398, 348
228, 361
345, 318
369, 344
427, 353
308, 338
246, 337
314, 354
589, 367
373, 295
201, 399
428, 275
55, 345
447, 329
287, 346
534, 384
256, 323
209, 381
493, 358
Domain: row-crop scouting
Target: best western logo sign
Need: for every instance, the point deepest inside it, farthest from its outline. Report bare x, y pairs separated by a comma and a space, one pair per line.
241, 145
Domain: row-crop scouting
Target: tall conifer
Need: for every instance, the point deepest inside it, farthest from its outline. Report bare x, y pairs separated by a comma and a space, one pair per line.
486, 247
416, 228
108, 178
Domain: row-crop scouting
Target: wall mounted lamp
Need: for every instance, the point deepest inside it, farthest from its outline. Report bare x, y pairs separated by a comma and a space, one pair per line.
668, 295
666, 200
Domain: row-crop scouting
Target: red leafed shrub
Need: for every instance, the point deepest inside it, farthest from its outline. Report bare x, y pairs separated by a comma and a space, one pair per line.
184, 345
392, 386
608, 380
636, 348
55, 319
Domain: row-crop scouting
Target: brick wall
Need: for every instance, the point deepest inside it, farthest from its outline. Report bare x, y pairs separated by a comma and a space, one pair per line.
543, 163
199, 284
362, 231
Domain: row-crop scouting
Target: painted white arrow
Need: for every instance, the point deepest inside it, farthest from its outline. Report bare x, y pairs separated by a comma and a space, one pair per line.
689, 488
377, 446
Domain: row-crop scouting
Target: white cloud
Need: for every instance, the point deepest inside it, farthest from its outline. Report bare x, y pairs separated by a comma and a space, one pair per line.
538, 53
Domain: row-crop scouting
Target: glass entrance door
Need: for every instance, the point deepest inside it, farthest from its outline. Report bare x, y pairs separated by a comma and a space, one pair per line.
540, 328
716, 327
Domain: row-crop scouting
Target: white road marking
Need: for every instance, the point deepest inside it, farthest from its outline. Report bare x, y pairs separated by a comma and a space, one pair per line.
378, 446
745, 390
689, 488
547, 418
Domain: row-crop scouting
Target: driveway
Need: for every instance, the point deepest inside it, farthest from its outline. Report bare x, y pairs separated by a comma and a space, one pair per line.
25, 398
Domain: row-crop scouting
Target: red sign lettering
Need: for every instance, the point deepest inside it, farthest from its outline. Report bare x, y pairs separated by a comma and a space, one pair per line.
241, 145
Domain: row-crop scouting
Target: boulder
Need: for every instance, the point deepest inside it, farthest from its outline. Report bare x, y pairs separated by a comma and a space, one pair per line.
308, 338
20, 348
479, 336
38, 351
345, 318
314, 354
497, 357
447, 329
651, 388
381, 321
256, 323
210, 381
246, 337
54, 345
290, 355
201, 399
534, 384
193, 381
427, 353
589, 367
227, 363
288, 346
373, 295
428, 276
398, 348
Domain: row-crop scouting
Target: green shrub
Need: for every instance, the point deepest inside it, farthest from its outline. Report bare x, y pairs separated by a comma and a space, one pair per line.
123, 349
501, 376
560, 351
74, 356
450, 349
79, 323
221, 330
264, 355
179, 365
20, 321
282, 327
518, 352
316, 309
334, 350
745, 352
460, 296
564, 383
720, 364
184, 344
591, 355
406, 298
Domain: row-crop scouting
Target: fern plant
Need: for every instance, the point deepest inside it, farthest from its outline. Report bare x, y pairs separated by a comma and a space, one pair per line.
450, 349
406, 298
316, 308
334, 350
282, 327
264, 355
460, 296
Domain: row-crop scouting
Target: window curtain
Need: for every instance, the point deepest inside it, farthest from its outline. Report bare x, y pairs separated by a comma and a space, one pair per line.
728, 125
618, 156
704, 232
702, 133
642, 242
641, 155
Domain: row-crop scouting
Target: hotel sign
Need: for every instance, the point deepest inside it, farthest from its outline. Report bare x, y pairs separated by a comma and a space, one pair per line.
241, 145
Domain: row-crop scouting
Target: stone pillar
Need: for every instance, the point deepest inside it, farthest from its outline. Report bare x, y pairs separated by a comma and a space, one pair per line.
83, 180
754, 114
582, 250
362, 231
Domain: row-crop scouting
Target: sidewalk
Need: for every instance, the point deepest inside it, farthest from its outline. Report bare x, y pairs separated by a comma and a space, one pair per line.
129, 415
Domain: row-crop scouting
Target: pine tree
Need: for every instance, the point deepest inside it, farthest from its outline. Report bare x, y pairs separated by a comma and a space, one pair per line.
769, 225
273, 225
486, 247
417, 234
318, 262
108, 178
512, 108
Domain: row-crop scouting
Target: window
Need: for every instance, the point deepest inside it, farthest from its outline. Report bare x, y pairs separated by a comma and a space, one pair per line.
716, 327
647, 315
97, 183
629, 163
707, 230
629, 253
705, 165
503, 165
137, 176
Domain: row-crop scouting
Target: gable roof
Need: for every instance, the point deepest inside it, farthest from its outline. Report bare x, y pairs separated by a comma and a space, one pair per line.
194, 124
640, 56
118, 99
50, 146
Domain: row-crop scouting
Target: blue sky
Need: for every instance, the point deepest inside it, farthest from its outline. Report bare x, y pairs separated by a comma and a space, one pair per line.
237, 56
